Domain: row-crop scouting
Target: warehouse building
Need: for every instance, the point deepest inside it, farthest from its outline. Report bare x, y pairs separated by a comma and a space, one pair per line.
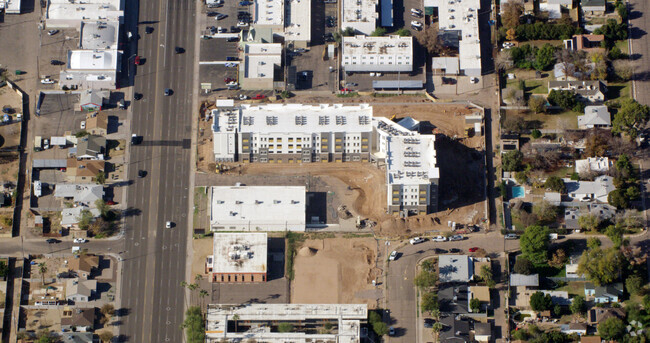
259, 322
262, 66
238, 258
360, 15
292, 133
258, 208
377, 54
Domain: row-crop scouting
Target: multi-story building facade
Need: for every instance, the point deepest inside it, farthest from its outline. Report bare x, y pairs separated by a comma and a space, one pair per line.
377, 54
293, 133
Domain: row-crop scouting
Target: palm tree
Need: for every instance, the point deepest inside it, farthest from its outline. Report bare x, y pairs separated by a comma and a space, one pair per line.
184, 285
202, 294
42, 268
235, 318
198, 277
192, 287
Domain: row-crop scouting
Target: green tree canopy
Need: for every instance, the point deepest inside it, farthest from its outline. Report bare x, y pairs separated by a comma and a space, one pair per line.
403, 32
193, 325
633, 284
617, 199
380, 31
425, 279
544, 57
429, 302
545, 211
578, 304
475, 305
534, 244
555, 183
611, 328
563, 98
601, 266
589, 222
540, 301
523, 266
630, 117
512, 160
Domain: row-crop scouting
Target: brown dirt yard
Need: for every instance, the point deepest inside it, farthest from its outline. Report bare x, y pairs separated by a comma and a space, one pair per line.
335, 271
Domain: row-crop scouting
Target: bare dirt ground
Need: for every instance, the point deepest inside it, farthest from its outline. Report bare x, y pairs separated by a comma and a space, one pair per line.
335, 271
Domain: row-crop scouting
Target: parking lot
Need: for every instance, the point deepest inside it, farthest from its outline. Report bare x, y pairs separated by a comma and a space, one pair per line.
54, 54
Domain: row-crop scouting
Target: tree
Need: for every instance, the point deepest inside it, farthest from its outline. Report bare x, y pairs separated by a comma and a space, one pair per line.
615, 234
348, 32
285, 327
42, 269
511, 34
563, 98
589, 222
380, 328
540, 301
106, 336
544, 57
425, 279
475, 305
512, 160
84, 220
556, 184
46, 336
545, 211
403, 32
578, 305
630, 117
537, 104
100, 178
611, 328
103, 207
612, 31
521, 177
194, 325
429, 302
430, 39
617, 199
646, 301
558, 260
601, 266
511, 12
623, 69
503, 61
523, 266
486, 275
437, 327
534, 244
593, 243
100, 227
380, 31
514, 124
108, 310
633, 284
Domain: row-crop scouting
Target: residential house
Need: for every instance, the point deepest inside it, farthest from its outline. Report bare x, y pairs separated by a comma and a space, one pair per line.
564, 71
77, 290
454, 330
529, 5
482, 293
595, 117
453, 299
523, 286
509, 142
593, 164
590, 190
83, 171
554, 10
563, 3
559, 297
70, 217
483, 332
84, 194
602, 211
587, 91
604, 294
574, 328
593, 7
554, 198
91, 147
84, 265
93, 100
585, 42
599, 314
97, 123
455, 268
79, 319
571, 218
572, 271
78, 337
590, 339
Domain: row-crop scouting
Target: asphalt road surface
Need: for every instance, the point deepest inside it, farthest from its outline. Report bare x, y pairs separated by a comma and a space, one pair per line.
154, 257
639, 28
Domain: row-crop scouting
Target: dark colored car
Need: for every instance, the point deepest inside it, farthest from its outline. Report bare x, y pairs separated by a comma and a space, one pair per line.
137, 96
53, 241
455, 251
234, 29
428, 323
245, 3
142, 173
228, 79
233, 39
168, 92
439, 251
230, 58
179, 50
148, 29
57, 63
212, 14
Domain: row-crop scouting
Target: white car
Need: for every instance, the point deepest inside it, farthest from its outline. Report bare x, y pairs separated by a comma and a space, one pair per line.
416, 23
473, 80
416, 240
220, 29
242, 23
243, 97
52, 32
511, 236
232, 83
80, 240
456, 238
168, 225
439, 239
47, 81
393, 256
83, 124
220, 16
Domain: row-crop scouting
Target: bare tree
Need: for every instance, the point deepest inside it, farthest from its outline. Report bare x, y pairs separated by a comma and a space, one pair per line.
624, 69
511, 13
503, 61
430, 39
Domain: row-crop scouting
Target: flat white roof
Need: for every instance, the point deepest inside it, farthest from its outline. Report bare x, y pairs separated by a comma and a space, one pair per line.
99, 35
239, 253
295, 118
261, 59
360, 15
257, 205
298, 24
92, 59
386, 45
269, 12
84, 10
463, 16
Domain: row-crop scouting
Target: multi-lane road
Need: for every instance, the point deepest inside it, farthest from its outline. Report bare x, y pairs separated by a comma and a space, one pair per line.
640, 48
154, 256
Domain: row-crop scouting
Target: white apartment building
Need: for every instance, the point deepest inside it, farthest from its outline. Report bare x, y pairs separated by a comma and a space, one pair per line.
460, 17
377, 54
361, 15
261, 62
411, 172
258, 322
292, 133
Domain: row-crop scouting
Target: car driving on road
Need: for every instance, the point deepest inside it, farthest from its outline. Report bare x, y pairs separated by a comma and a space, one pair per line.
169, 225
80, 240
393, 256
416, 240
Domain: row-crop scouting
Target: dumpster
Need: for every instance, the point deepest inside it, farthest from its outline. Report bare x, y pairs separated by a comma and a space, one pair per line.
19, 72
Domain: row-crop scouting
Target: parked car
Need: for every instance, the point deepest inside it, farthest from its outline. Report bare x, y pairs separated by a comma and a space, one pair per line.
416, 23
47, 81
245, 3
455, 251
391, 331
231, 58
416, 11
232, 83
53, 241
232, 39
393, 256
440, 251
179, 50
511, 236
243, 97
416, 28
439, 239
137, 60
134, 139
57, 63
456, 238
169, 225
473, 79
220, 16
230, 65
234, 29
416, 240
80, 240
83, 125
142, 173
137, 96
242, 23
52, 32
212, 14
228, 79
428, 323
473, 249
221, 30
259, 97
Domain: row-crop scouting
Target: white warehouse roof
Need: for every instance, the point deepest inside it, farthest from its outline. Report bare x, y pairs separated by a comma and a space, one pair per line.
269, 12
261, 59
99, 35
457, 15
360, 15
388, 53
298, 24
92, 59
239, 252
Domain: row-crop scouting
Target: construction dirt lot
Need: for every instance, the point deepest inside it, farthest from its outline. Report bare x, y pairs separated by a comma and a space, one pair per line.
361, 187
335, 271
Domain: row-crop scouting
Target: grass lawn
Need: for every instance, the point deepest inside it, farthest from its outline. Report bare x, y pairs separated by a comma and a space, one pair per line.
623, 45
563, 172
537, 86
618, 91
564, 120
574, 288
